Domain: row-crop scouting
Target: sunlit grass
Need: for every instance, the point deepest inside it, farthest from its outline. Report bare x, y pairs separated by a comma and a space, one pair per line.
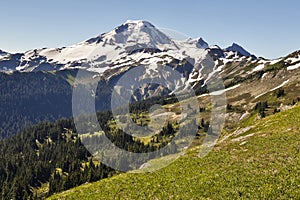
263, 166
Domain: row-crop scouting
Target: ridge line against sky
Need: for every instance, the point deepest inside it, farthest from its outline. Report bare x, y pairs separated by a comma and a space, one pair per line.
265, 28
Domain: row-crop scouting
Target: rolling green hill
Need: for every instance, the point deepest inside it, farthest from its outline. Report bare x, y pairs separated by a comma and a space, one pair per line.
260, 161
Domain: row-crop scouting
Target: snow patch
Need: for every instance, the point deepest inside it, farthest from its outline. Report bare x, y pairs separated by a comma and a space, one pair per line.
281, 85
293, 67
292, 60
99, 70
215, 93
258, 68
264, 75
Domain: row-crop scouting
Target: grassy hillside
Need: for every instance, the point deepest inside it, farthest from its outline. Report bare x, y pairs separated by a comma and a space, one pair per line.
261, 161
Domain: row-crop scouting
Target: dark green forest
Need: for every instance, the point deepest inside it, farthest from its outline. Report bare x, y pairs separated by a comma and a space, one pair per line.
33, 157
30, 98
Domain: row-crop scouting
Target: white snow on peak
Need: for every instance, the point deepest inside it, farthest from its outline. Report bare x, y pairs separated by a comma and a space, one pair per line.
139, 23
136, 32
130, 36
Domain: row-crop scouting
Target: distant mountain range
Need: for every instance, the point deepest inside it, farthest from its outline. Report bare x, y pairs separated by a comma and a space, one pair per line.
128, 43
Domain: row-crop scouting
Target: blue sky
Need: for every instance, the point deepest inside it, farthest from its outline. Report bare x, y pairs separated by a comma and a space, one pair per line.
266, 28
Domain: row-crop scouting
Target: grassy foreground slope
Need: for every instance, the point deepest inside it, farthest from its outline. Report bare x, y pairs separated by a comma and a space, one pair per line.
261, 161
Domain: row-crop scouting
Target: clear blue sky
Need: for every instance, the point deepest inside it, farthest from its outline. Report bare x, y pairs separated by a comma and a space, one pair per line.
266, 28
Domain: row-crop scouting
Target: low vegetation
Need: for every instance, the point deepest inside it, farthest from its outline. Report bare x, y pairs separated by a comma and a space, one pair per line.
259, 163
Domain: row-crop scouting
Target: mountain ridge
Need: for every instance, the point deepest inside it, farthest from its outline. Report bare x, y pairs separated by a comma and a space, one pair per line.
237, 48
111, 47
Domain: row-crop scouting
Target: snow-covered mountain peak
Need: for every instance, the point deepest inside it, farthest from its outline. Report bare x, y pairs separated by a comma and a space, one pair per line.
138, 23
134, 33
133, 26
198, 42
237, 48
133, 42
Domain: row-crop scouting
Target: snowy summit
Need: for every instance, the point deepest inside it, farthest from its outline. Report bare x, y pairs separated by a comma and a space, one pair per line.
135, 41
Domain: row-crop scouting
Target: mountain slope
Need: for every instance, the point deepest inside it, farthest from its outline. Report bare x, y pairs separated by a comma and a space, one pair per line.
130, 36
261, 162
